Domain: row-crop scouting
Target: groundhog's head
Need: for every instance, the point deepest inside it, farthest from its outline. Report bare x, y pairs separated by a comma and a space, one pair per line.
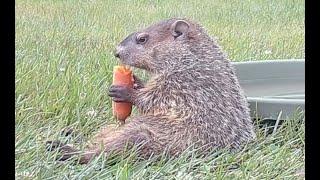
160, 46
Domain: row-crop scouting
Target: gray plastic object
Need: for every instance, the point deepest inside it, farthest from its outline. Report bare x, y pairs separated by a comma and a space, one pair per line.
273, 86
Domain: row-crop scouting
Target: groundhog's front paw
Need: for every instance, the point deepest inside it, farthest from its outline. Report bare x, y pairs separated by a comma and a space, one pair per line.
120, 93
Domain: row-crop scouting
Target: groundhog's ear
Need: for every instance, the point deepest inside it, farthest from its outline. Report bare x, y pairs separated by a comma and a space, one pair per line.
179, 28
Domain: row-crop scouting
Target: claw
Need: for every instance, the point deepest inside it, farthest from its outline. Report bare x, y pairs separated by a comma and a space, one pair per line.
53, 145
67, 131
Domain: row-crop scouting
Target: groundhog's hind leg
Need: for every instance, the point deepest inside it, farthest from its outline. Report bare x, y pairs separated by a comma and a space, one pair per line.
117, 143
131, 136
136, 134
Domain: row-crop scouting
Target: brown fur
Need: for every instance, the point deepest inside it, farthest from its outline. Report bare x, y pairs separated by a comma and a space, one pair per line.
192, 98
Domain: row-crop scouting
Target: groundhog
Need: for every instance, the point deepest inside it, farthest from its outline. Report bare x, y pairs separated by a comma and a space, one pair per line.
192, 99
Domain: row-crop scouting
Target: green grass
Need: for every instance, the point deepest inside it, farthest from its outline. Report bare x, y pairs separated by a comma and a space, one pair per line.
64, 61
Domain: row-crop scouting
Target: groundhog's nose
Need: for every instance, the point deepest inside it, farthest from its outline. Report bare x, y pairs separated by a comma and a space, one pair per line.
116, 54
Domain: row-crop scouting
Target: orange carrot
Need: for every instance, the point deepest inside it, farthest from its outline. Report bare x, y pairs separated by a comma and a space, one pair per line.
122, 76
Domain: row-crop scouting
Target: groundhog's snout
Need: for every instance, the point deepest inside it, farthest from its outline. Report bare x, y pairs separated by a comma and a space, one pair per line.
117, 53
122, 54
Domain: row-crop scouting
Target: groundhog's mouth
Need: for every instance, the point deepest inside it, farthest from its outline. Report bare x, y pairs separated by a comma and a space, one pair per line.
121, 62
130, 62
126, 63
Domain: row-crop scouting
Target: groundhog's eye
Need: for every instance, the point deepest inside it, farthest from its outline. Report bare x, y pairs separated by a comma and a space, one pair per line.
142, 38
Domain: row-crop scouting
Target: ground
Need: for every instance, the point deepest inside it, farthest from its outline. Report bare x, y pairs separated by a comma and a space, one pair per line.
64, 61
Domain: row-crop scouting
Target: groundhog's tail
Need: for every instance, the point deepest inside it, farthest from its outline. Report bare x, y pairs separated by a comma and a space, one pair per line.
68, 151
